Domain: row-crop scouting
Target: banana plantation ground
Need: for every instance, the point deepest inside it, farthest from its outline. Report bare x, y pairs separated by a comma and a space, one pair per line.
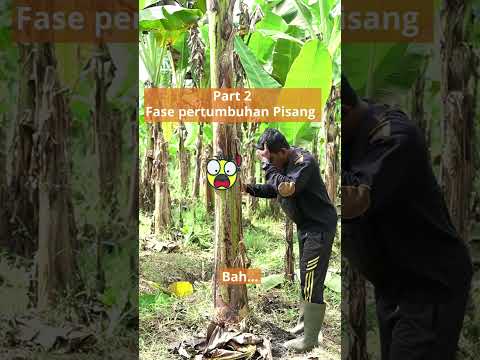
188, 255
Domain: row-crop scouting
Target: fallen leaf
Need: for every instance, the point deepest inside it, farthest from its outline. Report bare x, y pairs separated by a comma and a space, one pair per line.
152, 243
265, 350
78, 337
183, 352
219, 337
222, 354
225, 344
48, 336
247, 350
68, 337
26, 333
247, 338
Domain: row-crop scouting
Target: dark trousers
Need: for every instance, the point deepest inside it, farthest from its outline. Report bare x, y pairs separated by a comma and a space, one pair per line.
414, 331
315, 252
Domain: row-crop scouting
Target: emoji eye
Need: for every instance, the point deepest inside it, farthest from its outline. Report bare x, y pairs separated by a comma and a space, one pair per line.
230, 168
213, 167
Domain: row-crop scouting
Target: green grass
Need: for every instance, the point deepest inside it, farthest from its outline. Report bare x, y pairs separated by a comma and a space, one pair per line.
151, 304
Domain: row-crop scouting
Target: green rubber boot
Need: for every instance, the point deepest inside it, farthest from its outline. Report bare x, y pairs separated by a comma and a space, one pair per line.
313, 318
298, 329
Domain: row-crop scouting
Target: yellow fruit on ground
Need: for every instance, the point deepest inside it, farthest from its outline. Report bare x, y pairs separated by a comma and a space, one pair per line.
181, 288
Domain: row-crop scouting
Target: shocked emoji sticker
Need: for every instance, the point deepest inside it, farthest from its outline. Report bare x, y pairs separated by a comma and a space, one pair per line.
222, 174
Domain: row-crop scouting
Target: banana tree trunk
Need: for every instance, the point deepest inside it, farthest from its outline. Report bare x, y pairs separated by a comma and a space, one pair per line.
106, 122
133, 204
353, 304
250, 166
274, 207
21, 193
315, 146
418, 111
289, 256
161, 214
55, 255
230, 301
107, 131
6, 206
354, 297
146, 190
183, 157
207, 189
133, 191
456, 170
198, 162
331, 150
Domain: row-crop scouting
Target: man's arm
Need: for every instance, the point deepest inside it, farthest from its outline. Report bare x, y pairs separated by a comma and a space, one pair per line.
293, 183
382, 175
261, 190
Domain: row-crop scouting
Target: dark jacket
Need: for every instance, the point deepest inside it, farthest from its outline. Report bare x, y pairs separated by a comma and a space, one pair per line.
396, 226
300, 191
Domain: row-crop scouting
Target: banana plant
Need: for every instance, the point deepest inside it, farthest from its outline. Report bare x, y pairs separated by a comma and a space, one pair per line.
293, 38
164, 46
164, 30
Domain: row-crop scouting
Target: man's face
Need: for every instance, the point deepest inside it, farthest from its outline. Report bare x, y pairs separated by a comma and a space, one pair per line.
279, 159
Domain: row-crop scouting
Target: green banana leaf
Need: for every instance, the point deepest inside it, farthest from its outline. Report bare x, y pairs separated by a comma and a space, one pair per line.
296, 133
168, 18
256, 75
312, 69
275, 35
272, 281
288, 10
305, 16
284, 54
272, 21
142, 4
333, 281
296, 31
261, 46
383, 71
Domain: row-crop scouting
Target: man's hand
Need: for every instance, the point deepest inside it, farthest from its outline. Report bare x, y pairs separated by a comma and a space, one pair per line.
263, 155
